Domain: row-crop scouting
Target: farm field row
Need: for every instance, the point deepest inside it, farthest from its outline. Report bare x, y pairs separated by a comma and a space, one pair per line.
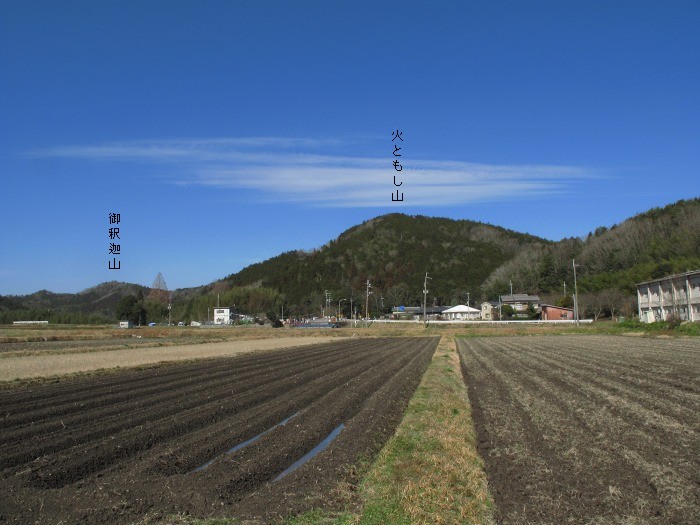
207, 438
587, 429
18, 364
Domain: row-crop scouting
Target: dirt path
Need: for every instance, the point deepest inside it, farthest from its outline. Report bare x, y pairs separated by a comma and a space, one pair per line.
28, 367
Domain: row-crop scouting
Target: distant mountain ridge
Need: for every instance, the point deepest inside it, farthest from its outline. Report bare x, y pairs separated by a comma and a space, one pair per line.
100, 299
392, 250
395, 251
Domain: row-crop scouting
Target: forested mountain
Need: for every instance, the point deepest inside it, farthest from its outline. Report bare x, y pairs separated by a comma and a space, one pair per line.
95, 304
395, 251
658, 242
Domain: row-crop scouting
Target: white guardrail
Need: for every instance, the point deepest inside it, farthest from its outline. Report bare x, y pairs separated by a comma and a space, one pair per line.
434, 322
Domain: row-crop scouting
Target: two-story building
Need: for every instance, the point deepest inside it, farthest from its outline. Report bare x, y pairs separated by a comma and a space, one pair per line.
222, 315
489, 310
521, 301
673, 295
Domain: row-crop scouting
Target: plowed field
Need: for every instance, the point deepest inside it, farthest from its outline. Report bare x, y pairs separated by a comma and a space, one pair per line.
588, 429
206, 438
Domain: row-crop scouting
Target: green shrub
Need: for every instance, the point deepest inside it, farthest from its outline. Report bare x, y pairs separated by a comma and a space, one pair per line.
688, 328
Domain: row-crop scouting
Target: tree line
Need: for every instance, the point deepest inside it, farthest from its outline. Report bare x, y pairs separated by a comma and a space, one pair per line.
52, 316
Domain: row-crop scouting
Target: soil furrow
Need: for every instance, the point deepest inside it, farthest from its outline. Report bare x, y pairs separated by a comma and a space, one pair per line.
109, 391
126, 436
212, 441
143, 409
368, 393
249, 468
605, 451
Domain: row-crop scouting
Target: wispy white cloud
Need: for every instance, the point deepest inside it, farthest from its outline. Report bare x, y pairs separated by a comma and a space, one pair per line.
293, 170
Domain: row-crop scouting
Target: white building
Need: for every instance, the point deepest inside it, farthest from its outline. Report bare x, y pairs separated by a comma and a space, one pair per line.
222, 315
461, 313
662, 298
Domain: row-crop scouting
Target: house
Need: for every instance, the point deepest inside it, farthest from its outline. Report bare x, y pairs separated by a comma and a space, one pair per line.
416, 312
556, 313
674, 295
461, 313
222, 315
521, 301
488, 311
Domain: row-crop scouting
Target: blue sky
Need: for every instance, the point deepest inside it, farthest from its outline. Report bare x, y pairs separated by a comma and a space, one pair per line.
225, 133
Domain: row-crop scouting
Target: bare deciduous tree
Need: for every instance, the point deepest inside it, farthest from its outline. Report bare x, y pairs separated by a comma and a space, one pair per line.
159, 290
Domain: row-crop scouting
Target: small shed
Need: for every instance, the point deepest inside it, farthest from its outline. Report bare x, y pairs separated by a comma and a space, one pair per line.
126, 324
556, 313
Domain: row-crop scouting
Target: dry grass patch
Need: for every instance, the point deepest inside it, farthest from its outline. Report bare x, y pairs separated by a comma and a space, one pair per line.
430, 472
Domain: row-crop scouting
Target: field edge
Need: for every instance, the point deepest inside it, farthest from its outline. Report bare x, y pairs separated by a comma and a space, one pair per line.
429, 471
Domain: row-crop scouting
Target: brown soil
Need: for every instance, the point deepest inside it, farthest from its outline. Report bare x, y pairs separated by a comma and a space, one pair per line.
123, 447
14, 366
587, 429
47, 347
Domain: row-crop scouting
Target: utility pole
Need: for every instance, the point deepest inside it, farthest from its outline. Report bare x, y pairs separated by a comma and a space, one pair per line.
339, 307
170, 306
367, 304
573, 263
511, 290
425, 298
467, 299
352, 312
328, 302
564, 288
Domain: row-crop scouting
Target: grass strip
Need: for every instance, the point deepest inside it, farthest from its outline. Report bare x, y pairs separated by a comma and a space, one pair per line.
429, 472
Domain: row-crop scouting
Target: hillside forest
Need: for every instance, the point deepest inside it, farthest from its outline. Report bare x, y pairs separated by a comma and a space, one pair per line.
394, 252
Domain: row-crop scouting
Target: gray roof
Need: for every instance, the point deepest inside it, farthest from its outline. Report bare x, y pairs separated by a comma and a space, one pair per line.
419, 309
668, 277
520, 298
